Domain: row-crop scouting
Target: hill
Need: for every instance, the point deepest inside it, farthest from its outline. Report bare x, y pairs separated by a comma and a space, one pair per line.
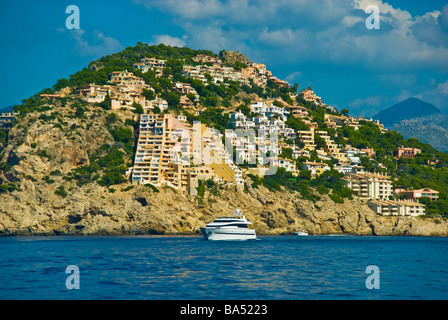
65, 164
432, 129
406, 109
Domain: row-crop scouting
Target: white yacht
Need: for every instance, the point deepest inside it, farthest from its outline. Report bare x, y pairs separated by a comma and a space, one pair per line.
301, 233
233, 227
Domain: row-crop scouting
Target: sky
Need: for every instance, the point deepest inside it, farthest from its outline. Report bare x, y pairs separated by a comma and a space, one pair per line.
321, 43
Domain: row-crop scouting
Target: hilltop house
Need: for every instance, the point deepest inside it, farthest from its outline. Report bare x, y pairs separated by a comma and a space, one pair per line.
309, 95
147, 64
407, 152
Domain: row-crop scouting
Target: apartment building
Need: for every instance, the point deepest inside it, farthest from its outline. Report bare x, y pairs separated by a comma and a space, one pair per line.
309, 95
170, 151
353, 154
369, 185
7, 119
297, 152
269, 111
153, 62
279, 82
158, 136
129, 80
157, 102
218, 74
332, 149
147, 64
252, 73
369, 152
349, 167
262, 73
182, 177
307, 137
397, 208
184, 88
203, 58
288, 164
95, 93
298, 111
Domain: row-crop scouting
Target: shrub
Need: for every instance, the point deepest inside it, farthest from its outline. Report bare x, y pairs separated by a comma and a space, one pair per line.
128, 188
152, 187
60, 191
44, 153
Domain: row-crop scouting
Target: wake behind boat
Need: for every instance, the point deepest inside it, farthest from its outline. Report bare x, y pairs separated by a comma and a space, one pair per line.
234, 227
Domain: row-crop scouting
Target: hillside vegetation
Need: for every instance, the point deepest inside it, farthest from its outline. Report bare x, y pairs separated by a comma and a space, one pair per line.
103, 159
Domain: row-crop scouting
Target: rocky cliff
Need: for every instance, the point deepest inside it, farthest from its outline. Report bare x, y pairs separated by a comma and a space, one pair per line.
36, 210
45, 147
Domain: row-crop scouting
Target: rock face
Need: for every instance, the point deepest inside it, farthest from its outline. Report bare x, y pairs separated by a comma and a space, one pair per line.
42, 154
92, 211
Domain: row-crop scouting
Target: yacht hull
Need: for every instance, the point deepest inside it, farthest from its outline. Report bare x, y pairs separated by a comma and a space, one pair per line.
229, 233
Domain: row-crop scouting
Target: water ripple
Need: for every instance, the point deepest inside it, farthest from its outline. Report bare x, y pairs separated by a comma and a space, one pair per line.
187, 267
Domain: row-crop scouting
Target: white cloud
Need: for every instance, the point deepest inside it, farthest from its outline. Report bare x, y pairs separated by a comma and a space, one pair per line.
303, 34
278, 37
98, 46
188, 9
372, 101
168, 40
444, 17
294, 76
436, 94
322, 31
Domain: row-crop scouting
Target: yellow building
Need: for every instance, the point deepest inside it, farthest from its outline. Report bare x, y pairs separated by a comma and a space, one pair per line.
369, 185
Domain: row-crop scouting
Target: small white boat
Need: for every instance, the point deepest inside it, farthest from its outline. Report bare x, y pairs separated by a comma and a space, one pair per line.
301, 233
234, 227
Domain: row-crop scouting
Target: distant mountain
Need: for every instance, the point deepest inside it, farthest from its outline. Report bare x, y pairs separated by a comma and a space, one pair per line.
407, 109
432, 129
6, 109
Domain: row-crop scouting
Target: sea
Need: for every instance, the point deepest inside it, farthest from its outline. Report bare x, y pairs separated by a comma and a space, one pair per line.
191, 268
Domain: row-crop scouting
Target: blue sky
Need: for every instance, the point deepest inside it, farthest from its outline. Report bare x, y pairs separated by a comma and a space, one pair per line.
324, 44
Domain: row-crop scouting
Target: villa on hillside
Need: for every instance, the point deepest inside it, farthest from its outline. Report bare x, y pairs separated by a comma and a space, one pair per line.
417, 194
316, 168
407, 152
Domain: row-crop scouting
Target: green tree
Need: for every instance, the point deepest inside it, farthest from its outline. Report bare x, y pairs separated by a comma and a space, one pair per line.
138, 108
107, 103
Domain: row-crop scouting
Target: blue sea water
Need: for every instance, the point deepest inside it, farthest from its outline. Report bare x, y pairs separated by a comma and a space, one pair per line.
188, 267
